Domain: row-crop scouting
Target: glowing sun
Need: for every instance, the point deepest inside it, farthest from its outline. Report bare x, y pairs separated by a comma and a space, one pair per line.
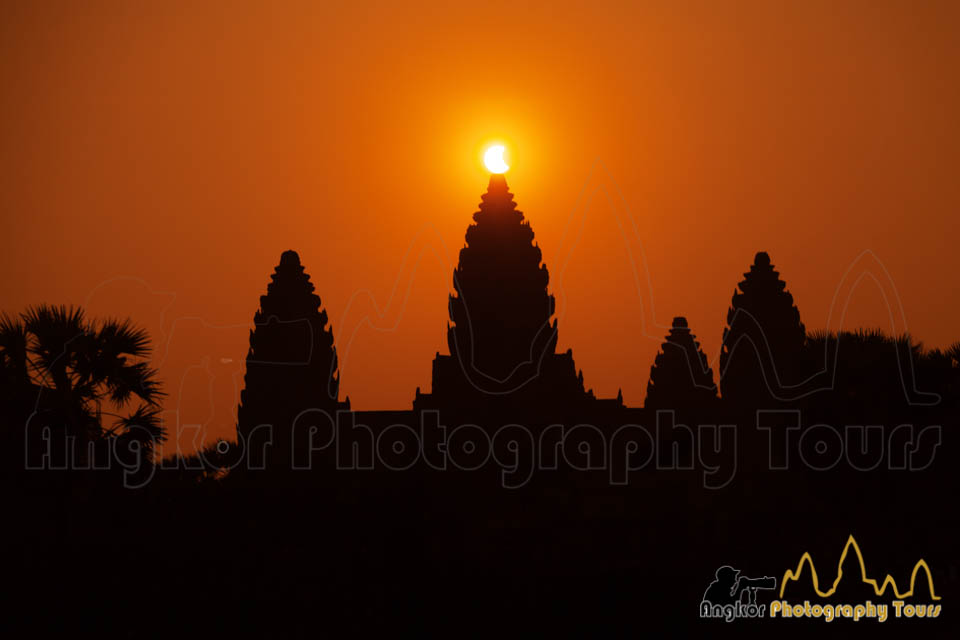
493, 158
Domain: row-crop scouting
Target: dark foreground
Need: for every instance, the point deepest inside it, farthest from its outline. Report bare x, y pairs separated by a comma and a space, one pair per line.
454, 553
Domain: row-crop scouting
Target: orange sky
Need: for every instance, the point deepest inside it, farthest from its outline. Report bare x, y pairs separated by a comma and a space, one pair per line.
156, 159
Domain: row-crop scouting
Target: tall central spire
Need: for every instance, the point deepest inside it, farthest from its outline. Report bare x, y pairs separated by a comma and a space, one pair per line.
501, 309
497, 207
501, 335
497, 197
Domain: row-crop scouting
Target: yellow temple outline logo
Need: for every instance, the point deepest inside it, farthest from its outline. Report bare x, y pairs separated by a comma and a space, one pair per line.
794, 575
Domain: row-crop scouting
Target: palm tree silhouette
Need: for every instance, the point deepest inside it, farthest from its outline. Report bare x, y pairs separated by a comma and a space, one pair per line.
80, 374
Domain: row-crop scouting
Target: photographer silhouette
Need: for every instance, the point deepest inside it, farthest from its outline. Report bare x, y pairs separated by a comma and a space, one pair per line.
728, 587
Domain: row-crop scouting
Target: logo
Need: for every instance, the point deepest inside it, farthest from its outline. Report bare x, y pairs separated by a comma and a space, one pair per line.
851, 593
731, 596
856, 581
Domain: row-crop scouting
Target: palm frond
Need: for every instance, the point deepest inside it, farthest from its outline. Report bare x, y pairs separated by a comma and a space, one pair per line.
143, 425
121, 337
58, 333
45, 320
135, 379
13, 347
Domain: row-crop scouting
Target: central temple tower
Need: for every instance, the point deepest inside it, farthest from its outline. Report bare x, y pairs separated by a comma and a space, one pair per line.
502, 341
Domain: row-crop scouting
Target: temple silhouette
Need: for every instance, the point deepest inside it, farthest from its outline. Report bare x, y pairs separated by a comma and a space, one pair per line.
292, 362
618, 533
502, 342
764, 338
680, 375
503, 365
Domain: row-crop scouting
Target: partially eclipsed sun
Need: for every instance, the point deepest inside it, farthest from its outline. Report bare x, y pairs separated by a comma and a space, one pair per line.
493, 158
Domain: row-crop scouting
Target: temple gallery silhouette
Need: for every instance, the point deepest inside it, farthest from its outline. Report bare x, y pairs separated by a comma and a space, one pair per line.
547, 508
503, 367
